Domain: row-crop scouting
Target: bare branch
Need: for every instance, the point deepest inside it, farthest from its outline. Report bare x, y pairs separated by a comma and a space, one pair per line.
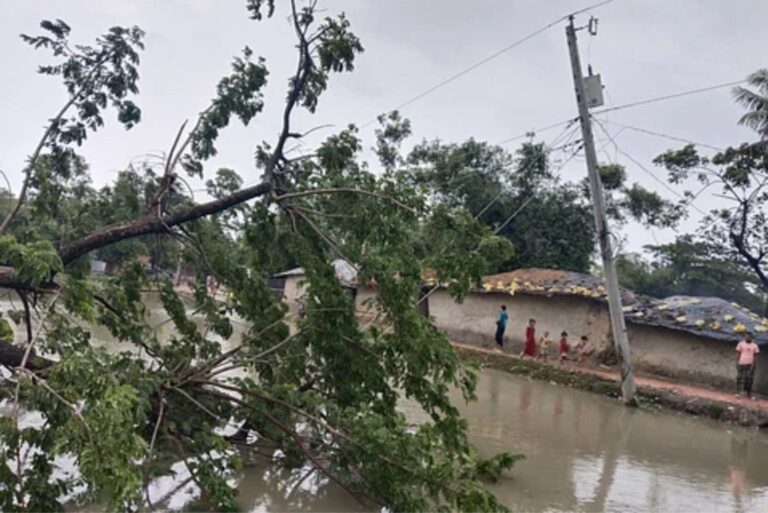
148, 461
29, 169
37, 380
190, 135
171, 153
184, 458
299, 81
27, 315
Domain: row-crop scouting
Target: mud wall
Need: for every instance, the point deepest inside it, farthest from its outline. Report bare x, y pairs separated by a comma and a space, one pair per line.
473, 321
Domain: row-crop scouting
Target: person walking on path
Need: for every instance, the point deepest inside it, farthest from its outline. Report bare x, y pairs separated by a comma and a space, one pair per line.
529, 349
745, 366
501, 325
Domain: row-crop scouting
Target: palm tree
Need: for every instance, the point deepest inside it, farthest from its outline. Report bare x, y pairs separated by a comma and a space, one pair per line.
755, 101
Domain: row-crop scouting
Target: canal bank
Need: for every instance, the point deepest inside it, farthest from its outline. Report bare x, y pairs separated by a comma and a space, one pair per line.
652, 393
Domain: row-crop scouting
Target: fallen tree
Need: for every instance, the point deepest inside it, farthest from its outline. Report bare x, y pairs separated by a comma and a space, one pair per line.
322, 389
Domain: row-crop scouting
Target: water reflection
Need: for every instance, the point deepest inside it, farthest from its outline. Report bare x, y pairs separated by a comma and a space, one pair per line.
588, 453
265, 490
585, 453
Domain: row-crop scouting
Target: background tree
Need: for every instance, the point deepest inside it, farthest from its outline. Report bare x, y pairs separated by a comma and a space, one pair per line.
689, 267
549, 222
635, 202
546, 221
739, 231
323, 390
756, 102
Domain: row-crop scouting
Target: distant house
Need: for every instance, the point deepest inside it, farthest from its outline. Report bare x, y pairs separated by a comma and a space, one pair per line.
98, 267
687, 338
292, 287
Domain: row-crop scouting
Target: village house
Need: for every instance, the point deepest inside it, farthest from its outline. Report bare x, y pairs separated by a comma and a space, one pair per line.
690, 339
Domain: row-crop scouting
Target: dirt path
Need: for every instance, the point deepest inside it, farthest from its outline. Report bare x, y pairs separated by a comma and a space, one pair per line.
648, 382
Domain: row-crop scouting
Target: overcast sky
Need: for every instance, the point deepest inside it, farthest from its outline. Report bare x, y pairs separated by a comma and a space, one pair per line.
644, 49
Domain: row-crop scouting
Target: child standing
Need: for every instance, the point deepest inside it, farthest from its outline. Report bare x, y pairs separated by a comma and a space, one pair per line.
544, 344
563, 346
529, 349
583, 349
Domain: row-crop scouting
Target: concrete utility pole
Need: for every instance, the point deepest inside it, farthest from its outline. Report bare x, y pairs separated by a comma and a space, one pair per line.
618, 328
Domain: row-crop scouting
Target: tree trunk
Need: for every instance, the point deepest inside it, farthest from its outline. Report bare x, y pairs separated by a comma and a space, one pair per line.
12, 355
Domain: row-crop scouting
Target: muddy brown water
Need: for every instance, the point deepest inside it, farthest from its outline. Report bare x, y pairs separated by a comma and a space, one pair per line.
589, 453
583, 453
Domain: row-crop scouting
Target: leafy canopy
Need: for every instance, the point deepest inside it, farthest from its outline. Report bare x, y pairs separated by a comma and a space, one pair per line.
321, 391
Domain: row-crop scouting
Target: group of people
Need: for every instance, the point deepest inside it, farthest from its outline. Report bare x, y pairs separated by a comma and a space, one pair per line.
541, 350
746, 362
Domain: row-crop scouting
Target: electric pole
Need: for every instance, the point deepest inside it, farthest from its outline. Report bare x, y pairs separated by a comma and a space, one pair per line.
618, 327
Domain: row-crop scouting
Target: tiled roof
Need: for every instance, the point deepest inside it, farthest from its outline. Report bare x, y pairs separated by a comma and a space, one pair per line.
705, 316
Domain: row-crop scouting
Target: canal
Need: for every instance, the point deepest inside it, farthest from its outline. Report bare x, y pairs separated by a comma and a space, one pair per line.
584, 452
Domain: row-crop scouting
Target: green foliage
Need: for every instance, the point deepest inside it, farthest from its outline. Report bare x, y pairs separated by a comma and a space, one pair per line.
94, 77
756, 102
737, 233
649, 208
35, 262
612, 176
548, 223
636, 202
323, 389
238, 94
6, 332
255, 8
689, 267
393, 132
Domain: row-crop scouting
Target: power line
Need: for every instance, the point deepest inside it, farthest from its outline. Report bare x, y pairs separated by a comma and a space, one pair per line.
662, 135
565, 136
487, 59
549, 147
668, 97
650, 173
535, 131
627, 106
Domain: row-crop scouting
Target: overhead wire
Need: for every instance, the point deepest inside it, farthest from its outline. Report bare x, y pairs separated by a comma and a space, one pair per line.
637, 103
647, 171
487, 59
549, 148
661, 135
566, 135
666, 97
508, 219
536, 131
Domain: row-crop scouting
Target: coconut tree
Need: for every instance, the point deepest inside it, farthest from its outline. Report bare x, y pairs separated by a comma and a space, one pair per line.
755, 101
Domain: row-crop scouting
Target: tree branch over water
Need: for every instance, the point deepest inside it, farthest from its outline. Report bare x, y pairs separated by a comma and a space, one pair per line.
237, 358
